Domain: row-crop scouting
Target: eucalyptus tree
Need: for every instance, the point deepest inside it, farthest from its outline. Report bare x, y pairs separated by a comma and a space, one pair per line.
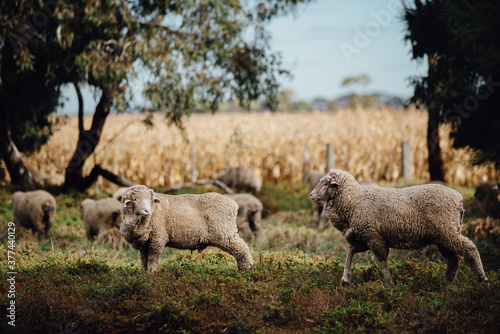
460, 40
190, 52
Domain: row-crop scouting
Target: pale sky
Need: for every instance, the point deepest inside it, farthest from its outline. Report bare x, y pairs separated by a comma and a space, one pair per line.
329, 40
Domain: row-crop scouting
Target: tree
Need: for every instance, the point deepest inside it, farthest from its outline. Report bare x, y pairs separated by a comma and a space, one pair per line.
27, 97
460, 40
362, 79
194, 52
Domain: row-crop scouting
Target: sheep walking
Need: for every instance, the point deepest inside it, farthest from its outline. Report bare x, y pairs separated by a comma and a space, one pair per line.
101, 216
242, 179
34, 210
249, 215
375, 218
153, 221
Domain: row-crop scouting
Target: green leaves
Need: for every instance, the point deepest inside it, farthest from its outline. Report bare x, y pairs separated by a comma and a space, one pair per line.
462, 87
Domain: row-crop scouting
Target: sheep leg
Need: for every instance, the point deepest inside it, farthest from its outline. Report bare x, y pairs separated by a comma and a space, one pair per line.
144, 259
385, 270
240, 250
318, 215
346, 277
381, 251
453, 264
155, 249
38, 227
46, 229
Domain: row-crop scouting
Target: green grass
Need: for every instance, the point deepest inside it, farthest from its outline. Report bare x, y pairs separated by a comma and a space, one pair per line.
66, 284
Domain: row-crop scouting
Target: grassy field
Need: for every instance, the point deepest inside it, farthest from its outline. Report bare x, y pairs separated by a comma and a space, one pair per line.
65, 284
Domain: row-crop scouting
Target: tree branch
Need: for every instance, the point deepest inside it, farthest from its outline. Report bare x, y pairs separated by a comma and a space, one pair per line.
200, 182
116, 179
97, 171
80, 107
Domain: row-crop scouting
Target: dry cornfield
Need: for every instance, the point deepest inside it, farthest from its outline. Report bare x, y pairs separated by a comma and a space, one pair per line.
367, 143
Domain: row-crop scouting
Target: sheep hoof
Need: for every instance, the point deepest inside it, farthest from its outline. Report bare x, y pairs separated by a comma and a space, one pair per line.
345, 283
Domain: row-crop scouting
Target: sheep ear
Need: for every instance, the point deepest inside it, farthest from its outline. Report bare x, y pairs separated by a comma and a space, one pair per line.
125, 202
156, 200
333, 181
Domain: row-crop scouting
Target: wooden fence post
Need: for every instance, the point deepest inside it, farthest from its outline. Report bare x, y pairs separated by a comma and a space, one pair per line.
406, 160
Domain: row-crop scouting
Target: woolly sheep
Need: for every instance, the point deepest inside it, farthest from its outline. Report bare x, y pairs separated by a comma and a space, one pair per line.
34, 210
249, 215
313, 178
375, 218
101, 216
118, 194
153, 221
242, 179
43, 179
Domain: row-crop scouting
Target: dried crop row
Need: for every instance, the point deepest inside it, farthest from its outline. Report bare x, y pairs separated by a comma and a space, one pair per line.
367, 144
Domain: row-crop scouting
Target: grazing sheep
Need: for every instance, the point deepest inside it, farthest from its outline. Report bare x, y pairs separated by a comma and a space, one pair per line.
313, 178
34, 210
249, 215
154, 221
43, 179
119, 193
242, 179
101, 216
375, 218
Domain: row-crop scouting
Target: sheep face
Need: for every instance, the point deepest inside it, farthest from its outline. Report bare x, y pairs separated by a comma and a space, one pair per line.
137, 208
325, 189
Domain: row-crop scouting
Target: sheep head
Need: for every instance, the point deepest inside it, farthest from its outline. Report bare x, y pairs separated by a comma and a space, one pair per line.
326, 186
86, 202
137, 207
332, 184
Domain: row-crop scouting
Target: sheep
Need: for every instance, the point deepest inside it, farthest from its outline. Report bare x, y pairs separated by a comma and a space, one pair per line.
152, 221
101, 216
242, 179
43, 179
34, 210
249, 215
118, 194
313, 177
375, 218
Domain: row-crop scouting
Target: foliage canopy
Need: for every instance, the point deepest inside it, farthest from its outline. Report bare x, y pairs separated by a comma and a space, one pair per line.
188, 52
463, 35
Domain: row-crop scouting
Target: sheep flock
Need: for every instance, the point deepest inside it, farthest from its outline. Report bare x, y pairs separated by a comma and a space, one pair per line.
370, 218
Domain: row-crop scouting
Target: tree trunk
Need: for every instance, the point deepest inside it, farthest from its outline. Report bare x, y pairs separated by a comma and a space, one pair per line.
87, 142
19, 173
435, 159
436, 169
